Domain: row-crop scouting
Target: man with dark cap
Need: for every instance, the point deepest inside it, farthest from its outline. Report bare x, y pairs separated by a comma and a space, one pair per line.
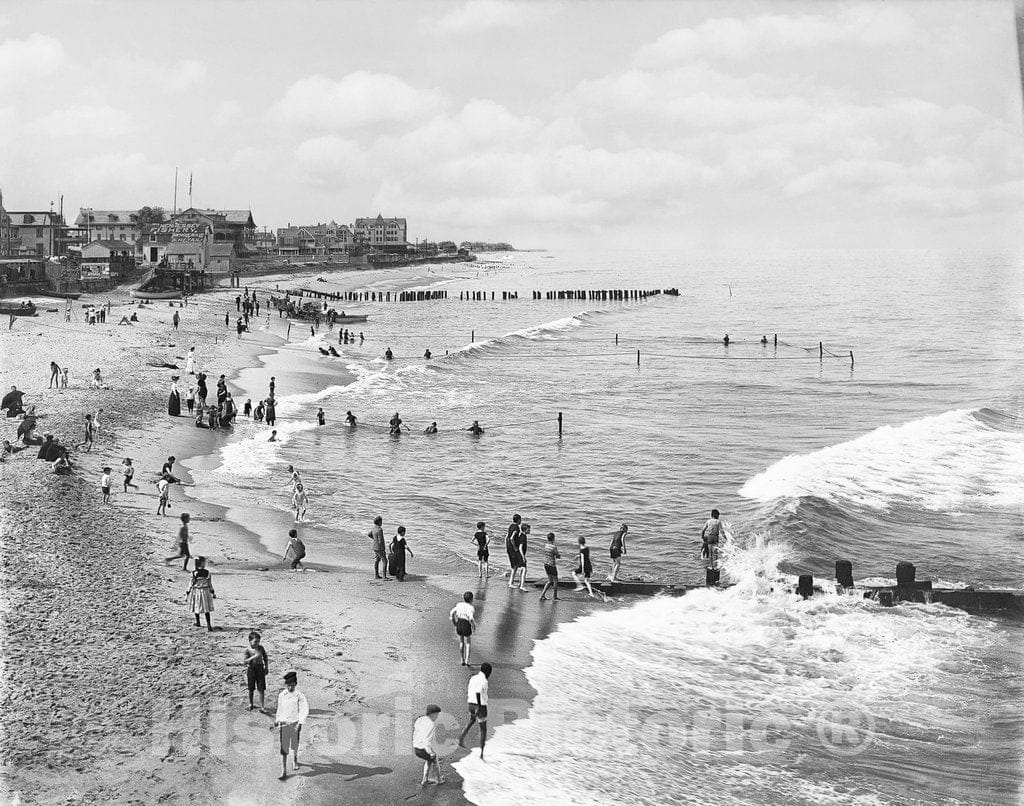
292, 710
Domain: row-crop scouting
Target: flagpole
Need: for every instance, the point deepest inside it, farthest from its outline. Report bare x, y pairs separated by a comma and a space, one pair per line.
175, 190
189, 188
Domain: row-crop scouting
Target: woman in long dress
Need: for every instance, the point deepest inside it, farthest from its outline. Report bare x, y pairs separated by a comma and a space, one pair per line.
190, 361
200, 593
174, 399
399, 546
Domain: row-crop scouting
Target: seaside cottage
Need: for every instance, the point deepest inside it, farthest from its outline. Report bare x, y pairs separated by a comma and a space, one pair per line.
227, 226
222, 258
110, 225
107, 258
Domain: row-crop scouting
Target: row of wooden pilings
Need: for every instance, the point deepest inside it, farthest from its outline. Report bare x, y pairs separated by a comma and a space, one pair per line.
481, 296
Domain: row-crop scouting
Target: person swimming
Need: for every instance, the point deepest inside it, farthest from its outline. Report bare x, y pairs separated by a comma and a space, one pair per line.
475, 428
431, 429
351, 419
388, 355
396, 425
426, 355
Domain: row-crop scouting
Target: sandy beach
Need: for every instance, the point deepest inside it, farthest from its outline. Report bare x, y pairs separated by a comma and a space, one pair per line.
98, 643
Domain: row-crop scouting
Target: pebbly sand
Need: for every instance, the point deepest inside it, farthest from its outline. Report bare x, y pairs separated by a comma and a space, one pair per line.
112, 696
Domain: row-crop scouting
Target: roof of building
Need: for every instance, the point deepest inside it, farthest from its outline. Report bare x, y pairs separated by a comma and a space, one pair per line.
118, 245
120, 217
40, 217
243, 217
364, 222
222, 250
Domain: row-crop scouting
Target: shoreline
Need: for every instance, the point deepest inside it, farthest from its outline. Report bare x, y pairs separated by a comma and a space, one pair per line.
327, 622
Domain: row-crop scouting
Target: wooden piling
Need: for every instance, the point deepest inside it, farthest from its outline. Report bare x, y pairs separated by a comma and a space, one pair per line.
616, 339
638, 358
851, 359
821, 351
472, 336
776, 339
559, 423
289, 331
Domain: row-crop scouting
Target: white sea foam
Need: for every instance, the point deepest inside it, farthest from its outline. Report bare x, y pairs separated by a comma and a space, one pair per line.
944, 463
253, 456
735, 697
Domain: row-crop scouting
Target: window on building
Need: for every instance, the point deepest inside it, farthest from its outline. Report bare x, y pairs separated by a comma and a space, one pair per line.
39, 232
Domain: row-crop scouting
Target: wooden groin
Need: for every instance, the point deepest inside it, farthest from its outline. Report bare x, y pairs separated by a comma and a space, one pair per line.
590, 295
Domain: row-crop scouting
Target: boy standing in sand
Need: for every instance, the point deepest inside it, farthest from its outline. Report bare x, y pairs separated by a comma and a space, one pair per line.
257, 664
423, 734
477, 696
163, 489
292, 710
128, 469
105, 485
463, 617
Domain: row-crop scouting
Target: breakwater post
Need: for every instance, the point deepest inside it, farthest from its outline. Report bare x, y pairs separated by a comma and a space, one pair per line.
851, 359
638, 358
821, 351
559, 424
844, 573
616, 339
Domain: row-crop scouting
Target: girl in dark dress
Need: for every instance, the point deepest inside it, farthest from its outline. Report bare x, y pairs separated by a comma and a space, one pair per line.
174, 400
583, 568
201, 389
399, 546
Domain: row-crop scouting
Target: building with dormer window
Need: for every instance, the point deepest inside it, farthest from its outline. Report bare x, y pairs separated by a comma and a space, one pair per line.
381, 231
110, 225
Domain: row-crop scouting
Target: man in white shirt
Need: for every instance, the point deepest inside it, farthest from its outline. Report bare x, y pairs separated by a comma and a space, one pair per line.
423, 744
477, 697
292, 710
463, 616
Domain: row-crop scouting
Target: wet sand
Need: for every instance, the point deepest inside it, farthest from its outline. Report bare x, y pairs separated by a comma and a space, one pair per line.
111, 694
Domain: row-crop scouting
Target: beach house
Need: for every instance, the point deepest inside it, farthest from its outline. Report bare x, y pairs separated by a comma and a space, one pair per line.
110, 225
228, 226
107, 258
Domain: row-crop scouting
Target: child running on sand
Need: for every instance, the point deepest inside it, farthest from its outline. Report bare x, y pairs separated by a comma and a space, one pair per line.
476, 694
183, 545
105, 485
128, 471
257, 664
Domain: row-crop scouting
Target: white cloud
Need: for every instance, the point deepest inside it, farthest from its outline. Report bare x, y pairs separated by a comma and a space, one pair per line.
476, 16
872, 25
330, 160
358, 99
184, 74
226, 113
83, 121
25, 60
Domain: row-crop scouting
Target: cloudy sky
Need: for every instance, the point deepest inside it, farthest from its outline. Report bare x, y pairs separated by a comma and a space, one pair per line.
681, 124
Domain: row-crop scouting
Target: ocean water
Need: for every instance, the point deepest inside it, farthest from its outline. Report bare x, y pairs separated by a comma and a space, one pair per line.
914, 451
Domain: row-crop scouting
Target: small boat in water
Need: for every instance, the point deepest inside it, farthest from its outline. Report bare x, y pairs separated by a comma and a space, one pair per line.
351, 319
17, 309
136, 293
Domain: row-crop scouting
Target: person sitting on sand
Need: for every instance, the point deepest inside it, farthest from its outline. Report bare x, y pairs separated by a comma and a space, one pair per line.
423, 745
134, 317
61, 465
9, 450
97, 380
201, 594
125, 320
12, 402
257, 664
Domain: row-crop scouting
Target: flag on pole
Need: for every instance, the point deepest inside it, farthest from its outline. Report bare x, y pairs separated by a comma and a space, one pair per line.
189, 183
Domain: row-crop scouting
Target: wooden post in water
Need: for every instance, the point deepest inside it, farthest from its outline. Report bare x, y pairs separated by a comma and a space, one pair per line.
776, 339
821, 351
289, 331
472, 336
616, 339
559, 423
851, 359
638, 358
